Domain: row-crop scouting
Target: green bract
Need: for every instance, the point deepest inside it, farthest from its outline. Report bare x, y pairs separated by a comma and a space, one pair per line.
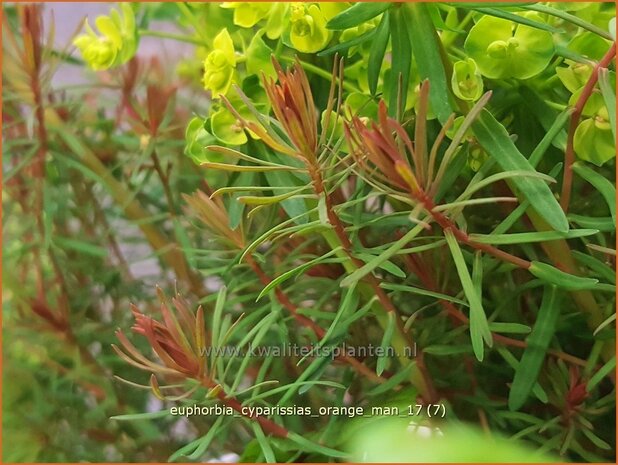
248, 14
226, 129
467, 82
308, 33
197, 138
258, 57
220, 65
117, 43
593, 140
574, 76
504, 49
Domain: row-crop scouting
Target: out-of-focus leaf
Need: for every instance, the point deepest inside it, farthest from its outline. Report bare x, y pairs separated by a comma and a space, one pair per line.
357, 14
386, 342
425, 46
377, 51
401, 62
496, 141
542, 332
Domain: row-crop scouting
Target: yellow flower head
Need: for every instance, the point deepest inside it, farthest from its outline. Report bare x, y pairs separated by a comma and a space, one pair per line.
248, 14
116, 44
219, 65
308, 33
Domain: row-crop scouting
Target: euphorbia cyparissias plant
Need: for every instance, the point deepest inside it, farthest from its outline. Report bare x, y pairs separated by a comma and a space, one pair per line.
451, 192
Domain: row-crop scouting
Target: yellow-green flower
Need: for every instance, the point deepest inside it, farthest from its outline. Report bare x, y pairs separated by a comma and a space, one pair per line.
467, 82
248, 14
220, 65
308, 33
593, 140
504, 49
117, 43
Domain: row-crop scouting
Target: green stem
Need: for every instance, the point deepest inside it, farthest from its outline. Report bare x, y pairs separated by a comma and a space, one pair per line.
172, 36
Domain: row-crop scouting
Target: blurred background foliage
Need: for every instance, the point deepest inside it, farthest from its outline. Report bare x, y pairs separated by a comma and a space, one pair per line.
96, 177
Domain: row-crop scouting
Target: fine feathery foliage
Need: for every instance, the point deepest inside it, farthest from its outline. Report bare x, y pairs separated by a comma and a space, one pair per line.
335, 232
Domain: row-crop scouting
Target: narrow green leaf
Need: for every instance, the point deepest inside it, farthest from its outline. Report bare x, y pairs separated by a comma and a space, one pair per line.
604, 324
141, 416
349, 43
357, 14
265, 236
597, 266
496, 141
559, 278
377, 51
556, 128
309, 446
242, 156
269, 455
268, 200
547, 116
603, 224
401, 61
384, 256
322, 210
386, 266
294, 207
479, 328
217, 315
509, 328
600, 183
443, 350
477, 273
297, 383
419, 291
605, 370
537, 390
569, 18
294, 272
476, 186
348, 305
393, 381
501, 13
597, 441
524, 238
385, 344
245, 168
80, 246
206, 440
538, 342
426, 49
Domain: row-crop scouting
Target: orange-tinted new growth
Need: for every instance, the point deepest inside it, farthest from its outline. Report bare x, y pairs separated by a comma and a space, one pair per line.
178, 342
293, 106
382, 145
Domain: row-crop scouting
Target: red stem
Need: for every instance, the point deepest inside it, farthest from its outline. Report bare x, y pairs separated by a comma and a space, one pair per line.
459, 318
569, 155
445, 223
308, 323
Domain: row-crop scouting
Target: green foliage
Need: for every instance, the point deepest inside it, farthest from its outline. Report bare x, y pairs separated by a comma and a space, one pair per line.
385, 228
